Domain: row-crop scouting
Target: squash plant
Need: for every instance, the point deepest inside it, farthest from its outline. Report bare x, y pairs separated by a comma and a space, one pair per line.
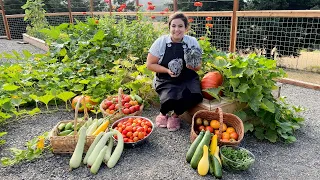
250, 80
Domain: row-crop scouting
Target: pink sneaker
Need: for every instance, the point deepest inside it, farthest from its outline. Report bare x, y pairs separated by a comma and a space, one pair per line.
161, 121
173, 123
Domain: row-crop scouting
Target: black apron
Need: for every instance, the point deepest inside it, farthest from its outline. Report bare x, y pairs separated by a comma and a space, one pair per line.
173, 87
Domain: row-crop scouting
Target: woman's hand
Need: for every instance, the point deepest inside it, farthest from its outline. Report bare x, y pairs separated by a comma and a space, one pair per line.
195, 69
171, 73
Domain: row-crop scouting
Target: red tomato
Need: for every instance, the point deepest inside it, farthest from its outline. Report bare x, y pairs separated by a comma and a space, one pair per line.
130, 140
148, 123
127, 98
149, 130
140, 129
120, 124
127, 105
134, 129
140, 135
129, 128
126, 111
108, 103
209, 128
135, 139
132, 109
125, 139
201, 128
120, 129
145, 127
129, 134
111, 107
124, 132
135, 134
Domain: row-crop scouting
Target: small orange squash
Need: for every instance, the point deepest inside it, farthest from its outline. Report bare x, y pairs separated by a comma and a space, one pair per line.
211, 80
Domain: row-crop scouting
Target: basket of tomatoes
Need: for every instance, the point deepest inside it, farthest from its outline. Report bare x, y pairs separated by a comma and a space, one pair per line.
135, 130
228, 127
121, 105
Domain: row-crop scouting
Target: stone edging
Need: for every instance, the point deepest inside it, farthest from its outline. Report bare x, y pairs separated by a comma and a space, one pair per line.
35, 42
300, 83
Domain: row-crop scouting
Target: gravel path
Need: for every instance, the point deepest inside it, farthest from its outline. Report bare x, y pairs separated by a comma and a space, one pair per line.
163, 156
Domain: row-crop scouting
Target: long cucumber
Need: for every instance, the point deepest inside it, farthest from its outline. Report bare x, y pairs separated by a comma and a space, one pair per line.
92, 146
76, 158
109, 150
117, 151
194, 146
97, 163
102, 142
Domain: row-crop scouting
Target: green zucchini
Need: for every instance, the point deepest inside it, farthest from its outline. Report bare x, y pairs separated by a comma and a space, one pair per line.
211, 165
117, 151
65, 132
217, 167
97, 163
138, 99
194, 146
133, 98
61, 126
102, 142
94, 143
76, 158
199, 151
109, 150
68, 126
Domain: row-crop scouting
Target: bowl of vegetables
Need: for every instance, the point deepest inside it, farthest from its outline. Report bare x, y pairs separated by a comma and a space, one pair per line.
236, 158
134, 129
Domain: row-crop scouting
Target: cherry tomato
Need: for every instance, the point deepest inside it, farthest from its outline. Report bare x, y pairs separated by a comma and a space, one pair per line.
111, 107
127, 105
127, 98
140, 129
141, 135
135, 139
134, 129
149, 130
130, 140
120, 129
126, 111
148, 123
129, 128
125, 139
108, 103
120, 124
129, 134
132, 109
135, 134
124, 132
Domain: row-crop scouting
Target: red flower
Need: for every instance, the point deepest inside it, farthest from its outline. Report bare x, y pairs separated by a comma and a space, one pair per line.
198, 4
202, 38
96, 21
152, 17
208, 18
119, 9
84, 13
151, 7
123, 6
149, 3
140, 5
209, 25
190, 20
166, 10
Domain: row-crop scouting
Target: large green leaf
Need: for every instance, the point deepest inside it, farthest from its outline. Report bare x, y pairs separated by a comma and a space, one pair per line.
267, 105
9, 87
65, 96
271, 135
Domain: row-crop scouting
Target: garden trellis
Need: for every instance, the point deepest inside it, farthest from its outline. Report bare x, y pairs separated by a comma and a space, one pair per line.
292, 37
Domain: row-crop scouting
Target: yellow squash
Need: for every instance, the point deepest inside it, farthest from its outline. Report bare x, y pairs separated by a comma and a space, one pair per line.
203, 166
102, 127
214, 144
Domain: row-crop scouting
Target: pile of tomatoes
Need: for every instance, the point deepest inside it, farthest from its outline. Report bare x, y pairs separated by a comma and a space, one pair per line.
134, 129
129, 106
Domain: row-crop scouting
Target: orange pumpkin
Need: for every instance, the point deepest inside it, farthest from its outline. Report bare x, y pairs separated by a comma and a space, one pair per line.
211, 80
86, 100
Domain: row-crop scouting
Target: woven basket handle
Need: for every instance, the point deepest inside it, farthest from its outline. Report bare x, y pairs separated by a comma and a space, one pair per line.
220, 112
120, 91
86, 115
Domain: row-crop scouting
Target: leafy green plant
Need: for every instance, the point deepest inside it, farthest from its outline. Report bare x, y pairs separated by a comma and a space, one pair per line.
2, 141
35, 148
35, 14
250, 80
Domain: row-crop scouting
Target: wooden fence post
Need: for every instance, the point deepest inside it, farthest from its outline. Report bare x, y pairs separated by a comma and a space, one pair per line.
234, 24
70, 12
175, 5
110, 7
5, 21
91, 8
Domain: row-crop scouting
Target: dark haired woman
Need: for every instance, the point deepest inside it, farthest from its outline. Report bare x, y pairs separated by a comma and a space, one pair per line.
175, 58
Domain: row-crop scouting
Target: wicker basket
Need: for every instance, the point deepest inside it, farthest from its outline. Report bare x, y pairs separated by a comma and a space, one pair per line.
227, 118
119, 114
67, 144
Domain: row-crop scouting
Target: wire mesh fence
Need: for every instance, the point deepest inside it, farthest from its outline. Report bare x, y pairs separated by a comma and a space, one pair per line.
293, 41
